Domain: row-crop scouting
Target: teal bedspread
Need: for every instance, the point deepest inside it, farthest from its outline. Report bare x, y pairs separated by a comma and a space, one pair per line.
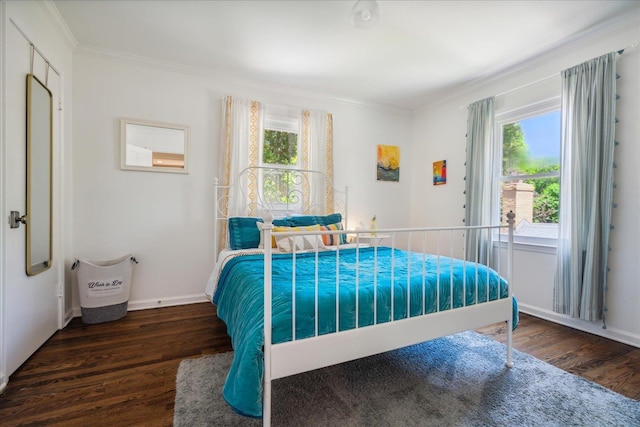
239, 299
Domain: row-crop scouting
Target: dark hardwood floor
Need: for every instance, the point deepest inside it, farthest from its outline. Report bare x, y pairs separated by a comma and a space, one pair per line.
123, 373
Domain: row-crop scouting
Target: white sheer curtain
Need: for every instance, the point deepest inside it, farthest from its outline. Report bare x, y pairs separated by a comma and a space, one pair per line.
478, 185
317, 155
586, 179
242, 127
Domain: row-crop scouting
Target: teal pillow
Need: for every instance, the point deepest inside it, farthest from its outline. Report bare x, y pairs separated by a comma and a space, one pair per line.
244, 233
307, 220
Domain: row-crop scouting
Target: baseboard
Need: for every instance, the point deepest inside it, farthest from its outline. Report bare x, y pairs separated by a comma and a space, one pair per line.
67, 317
594, 328
157, 303
167, 302
3, 383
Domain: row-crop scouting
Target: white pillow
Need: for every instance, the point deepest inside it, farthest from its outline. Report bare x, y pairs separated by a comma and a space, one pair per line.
300, 243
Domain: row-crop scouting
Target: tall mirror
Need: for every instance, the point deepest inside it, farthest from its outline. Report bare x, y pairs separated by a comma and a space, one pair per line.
39, 176
154, 146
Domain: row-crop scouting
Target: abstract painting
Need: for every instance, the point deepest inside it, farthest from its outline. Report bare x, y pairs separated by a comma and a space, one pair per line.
388, 167
440, 172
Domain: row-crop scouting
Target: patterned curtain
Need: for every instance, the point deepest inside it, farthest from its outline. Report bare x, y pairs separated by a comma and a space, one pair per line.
242, 130
586, 182
479, 174
317, 155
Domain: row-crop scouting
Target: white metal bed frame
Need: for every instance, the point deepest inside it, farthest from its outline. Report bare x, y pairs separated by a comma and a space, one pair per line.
302, 355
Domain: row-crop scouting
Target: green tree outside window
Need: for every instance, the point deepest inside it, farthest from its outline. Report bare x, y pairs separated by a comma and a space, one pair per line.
517, 161
280, 148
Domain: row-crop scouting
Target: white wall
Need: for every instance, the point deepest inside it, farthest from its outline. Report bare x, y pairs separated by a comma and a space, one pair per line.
439, 133
166, 220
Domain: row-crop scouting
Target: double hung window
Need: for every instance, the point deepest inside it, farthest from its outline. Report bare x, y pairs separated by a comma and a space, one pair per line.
528, 170
280, 149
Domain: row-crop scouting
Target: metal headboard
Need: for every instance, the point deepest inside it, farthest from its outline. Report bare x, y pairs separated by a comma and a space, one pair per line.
280, 191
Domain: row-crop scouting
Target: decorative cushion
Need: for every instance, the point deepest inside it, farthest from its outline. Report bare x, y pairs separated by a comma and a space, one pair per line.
306, 220
331, 219
244, 234
299, 243
332, 239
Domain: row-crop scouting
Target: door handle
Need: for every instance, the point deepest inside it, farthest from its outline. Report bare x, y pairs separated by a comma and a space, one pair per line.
15, 219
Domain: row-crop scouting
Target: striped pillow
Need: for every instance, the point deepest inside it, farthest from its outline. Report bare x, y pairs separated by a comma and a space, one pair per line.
332, 239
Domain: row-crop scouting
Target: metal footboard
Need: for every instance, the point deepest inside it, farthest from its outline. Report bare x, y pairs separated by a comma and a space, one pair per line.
473, 246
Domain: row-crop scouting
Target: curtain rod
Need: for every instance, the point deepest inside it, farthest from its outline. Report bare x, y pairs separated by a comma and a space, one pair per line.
506, 92
633, 45
34, 47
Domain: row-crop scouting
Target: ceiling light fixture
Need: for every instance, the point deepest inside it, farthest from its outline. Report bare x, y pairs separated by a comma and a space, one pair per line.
365, 14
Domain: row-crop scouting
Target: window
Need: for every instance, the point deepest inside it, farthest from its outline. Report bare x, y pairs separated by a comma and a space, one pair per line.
529, 171
280, 148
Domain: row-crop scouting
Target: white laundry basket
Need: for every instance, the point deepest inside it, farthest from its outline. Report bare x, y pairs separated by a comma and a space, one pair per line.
104, 288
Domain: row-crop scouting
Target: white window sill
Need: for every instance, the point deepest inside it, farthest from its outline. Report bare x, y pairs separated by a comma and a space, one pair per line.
531, 244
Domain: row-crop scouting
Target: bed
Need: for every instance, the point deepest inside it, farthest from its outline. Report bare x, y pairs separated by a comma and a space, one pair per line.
303, 291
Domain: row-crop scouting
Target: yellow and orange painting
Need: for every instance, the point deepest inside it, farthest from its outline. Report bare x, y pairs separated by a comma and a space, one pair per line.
388, 163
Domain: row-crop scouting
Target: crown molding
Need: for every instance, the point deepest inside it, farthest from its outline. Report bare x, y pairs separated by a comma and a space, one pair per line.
52, 12
621, 23
599, 31
228, 77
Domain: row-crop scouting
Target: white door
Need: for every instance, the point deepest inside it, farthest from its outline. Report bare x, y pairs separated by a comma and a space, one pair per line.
31, 304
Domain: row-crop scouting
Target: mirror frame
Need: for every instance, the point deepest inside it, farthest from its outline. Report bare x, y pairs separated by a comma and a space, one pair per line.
39, 241
124, 122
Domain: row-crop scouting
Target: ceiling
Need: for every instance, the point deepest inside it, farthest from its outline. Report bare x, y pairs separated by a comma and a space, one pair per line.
417, 51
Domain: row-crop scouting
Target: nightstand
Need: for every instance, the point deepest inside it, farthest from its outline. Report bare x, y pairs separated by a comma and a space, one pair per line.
370, 239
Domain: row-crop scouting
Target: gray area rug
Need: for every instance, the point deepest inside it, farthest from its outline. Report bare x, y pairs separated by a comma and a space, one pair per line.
460, 380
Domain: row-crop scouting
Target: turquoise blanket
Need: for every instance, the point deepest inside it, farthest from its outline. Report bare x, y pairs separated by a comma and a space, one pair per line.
239, 299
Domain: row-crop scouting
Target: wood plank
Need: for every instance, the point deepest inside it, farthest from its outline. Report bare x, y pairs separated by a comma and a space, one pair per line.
123, 373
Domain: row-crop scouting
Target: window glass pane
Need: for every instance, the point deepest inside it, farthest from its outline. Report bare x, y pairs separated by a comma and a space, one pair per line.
532, 145
281, 187
280, 148
535, 203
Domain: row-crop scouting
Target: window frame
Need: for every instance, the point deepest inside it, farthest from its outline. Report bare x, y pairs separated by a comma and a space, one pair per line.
528, 111
281, 120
